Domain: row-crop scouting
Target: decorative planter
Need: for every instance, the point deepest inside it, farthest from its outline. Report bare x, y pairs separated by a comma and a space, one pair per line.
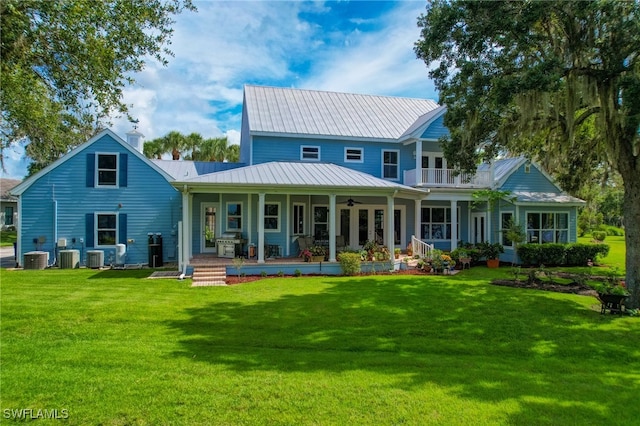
317, 258
493, 263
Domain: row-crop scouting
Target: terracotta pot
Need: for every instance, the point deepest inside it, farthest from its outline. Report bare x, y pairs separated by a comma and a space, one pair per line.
493, 263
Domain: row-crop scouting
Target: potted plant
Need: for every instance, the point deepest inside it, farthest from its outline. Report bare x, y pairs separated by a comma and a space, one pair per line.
396, 253
491, 252
462, 257
317, 253
410, 250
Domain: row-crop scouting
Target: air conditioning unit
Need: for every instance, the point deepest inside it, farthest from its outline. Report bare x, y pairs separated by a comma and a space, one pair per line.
95, 259
69, 259
36, 260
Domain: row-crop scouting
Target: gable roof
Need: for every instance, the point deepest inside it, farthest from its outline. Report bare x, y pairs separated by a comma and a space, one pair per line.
274, 110
19, 189
6, 185
301, 175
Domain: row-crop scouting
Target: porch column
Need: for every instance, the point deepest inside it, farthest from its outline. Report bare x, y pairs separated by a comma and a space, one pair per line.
417, 219
390, 223
184, 244
261, 227
418, 162
332, 227
454, 224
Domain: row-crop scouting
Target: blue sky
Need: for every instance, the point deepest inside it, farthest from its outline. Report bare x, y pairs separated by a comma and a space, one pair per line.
344, 46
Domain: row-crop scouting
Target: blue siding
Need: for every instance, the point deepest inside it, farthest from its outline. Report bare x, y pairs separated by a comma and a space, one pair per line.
148, 204
436, 129
534, 181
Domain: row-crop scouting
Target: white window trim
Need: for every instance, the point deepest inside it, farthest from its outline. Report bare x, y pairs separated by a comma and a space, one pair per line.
502, 225
227, 216
397, 164
95, 228
304, 219
277, 203
97, 174
439, 223
315, 147
353, 148
555, 228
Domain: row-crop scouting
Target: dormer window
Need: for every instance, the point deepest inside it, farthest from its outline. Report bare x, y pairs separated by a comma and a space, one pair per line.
107, 170
353, 155
390, 164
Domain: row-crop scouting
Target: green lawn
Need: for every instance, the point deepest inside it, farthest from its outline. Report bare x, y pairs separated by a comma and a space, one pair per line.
617, 251
114, 348
7, 238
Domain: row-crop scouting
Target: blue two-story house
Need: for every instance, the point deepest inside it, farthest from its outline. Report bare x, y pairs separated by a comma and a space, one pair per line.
342, 168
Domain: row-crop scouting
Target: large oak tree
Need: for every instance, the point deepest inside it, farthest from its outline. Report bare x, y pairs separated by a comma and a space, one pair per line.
539, 78
64, 65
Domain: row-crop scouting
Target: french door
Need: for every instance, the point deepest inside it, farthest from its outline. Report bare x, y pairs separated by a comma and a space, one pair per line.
478, 228
208, 227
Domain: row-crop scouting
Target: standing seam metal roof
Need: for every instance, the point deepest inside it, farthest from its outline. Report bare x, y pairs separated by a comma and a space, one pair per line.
310, 112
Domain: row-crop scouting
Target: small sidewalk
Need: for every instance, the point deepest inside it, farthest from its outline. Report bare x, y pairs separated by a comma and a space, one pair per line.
7, 259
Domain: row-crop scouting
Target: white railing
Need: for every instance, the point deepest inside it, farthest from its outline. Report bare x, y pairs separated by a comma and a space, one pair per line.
420, 248
447, 177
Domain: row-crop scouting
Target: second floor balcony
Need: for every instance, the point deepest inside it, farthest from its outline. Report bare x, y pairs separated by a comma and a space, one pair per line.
446, 178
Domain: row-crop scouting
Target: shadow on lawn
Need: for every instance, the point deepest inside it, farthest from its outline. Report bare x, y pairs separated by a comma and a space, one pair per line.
482, 342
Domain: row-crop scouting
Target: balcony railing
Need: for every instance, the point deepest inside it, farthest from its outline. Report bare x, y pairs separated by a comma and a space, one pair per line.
446, 178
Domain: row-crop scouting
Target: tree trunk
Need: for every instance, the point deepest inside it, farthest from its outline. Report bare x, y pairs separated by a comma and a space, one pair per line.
631, 208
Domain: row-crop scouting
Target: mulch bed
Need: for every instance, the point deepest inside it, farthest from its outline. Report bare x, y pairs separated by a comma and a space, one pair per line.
539, 285
234, 279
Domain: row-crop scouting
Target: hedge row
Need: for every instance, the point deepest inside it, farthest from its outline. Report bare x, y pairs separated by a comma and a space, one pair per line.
561, 254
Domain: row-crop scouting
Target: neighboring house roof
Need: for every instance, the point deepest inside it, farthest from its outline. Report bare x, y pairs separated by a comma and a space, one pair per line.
182, 170
503, 168
307, 175
7, 185
275, 110
19, 189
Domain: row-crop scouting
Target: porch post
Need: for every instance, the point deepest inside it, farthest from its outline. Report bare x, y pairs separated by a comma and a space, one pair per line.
390, 223
419, 162
184, 244
261, 227
417, 219
454, 224
332, 227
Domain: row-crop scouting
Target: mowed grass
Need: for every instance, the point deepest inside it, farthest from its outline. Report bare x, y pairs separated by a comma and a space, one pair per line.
113, 347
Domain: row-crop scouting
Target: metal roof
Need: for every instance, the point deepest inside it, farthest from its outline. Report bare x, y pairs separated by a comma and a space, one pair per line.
546, 197
182, 170
298, 174
318, 113
502, 167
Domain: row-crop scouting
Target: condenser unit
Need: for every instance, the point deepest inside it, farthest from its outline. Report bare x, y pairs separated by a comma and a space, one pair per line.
95, 259
36, 260
69, 259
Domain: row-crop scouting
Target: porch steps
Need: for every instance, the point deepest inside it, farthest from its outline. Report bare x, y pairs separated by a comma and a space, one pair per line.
209, 275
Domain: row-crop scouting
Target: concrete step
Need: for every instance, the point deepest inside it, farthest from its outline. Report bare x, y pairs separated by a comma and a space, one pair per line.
209, 276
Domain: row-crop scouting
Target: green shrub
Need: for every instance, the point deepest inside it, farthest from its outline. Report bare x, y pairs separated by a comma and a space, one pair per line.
599, 235
552, 254
529, 254
580, 254
297, 272
612, 231
350, 263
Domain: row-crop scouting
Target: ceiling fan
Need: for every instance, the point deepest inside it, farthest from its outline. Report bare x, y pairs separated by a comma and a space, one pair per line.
351, 202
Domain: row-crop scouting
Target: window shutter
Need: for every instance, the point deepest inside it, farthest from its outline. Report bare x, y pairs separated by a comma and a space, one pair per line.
122, 228
91, 170
89, 218
123, 168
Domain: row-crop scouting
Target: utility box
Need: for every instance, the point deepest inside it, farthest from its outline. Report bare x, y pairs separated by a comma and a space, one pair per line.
155, 250
69, 259
36, 260
95, 259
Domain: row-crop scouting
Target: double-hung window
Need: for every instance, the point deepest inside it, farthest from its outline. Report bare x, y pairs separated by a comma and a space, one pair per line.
107, 170
436, 223
390, 162
234, 216
272, 217
321, 222
106, 229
